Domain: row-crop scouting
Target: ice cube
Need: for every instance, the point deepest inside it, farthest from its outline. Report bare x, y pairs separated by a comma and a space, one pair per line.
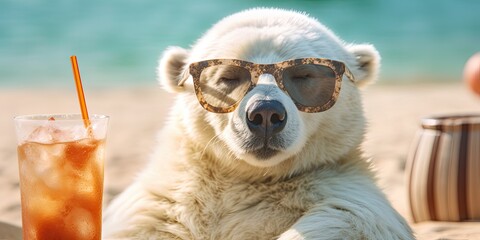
53, 179
45, 160
52, 132
43, 134
43, 205
68, 133
76, 133
82, 223
87, 186
36, 157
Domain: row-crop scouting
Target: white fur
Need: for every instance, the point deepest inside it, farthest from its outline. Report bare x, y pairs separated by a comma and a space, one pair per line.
202, 183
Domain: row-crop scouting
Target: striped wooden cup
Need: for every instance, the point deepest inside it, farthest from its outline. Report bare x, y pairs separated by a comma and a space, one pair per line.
443, 169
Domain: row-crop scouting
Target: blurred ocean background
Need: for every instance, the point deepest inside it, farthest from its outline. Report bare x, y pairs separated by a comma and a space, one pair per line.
118, 42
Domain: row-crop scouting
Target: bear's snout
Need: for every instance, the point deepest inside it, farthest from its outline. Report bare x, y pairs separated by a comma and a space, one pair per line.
266, 118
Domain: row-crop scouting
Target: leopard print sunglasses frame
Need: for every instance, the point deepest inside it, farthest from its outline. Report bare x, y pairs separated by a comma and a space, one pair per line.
276, 70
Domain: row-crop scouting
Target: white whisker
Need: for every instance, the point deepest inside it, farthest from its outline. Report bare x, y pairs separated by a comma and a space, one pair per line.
208, 143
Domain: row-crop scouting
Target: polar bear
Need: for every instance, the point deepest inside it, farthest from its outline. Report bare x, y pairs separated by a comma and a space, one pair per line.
263, 140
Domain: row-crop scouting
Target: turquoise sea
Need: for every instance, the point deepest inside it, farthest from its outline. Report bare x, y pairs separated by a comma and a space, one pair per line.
118, 42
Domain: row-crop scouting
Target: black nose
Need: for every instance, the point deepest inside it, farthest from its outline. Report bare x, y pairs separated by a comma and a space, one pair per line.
266, 117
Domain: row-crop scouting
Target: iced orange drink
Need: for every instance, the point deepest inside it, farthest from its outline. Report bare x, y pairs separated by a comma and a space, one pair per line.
61, 175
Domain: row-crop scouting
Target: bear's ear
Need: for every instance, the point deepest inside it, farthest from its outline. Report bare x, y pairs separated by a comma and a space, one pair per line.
367, 63
171, 68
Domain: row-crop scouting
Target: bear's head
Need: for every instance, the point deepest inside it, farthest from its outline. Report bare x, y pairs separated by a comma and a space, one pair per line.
262, 88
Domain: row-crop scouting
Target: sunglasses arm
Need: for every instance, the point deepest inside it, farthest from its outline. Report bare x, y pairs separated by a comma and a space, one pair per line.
185, 76
182, 83
349, 74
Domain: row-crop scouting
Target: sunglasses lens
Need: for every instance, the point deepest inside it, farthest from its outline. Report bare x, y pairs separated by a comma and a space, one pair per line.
310, 85
222, 86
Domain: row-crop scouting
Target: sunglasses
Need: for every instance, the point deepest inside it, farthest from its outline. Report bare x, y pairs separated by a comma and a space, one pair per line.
312, 83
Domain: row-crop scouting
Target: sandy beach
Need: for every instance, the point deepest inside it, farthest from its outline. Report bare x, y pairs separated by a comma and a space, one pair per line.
393, 112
